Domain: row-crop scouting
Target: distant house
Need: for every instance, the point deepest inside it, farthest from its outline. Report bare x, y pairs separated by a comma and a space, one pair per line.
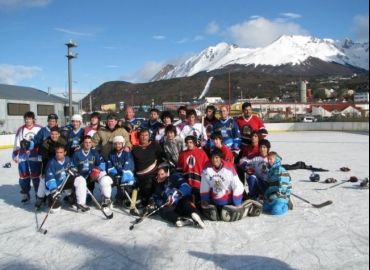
361, 95
16, 100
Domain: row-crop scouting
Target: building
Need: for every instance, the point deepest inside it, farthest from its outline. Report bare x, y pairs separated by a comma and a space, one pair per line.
16, 100
361, 95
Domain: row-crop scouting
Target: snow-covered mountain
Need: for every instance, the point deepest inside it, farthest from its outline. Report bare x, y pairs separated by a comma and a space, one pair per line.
287, 51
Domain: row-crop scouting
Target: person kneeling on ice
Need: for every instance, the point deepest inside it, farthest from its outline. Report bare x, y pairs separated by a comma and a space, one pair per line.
56, 173
221, 184
277, 196
175, 193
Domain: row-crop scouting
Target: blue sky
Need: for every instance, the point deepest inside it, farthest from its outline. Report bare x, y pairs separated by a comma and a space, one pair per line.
133, 40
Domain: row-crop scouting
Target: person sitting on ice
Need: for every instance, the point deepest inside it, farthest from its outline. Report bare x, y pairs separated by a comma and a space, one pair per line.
56, 173
277, 195
222, 191
175, 193
257, 170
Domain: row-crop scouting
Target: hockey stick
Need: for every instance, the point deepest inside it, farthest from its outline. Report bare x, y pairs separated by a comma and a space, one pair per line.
139, 220
44, 231
352, 179
107, 215
133, 205
314, 205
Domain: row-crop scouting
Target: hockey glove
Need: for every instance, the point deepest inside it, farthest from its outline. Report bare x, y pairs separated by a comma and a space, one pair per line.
55, 194
249, 169
173, 197
94, 175
112, 171
28, 145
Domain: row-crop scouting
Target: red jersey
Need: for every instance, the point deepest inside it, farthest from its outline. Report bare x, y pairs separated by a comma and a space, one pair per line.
250, 151
191, 164
246, 126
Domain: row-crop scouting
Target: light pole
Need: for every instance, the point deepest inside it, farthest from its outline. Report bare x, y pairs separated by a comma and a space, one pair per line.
70, 56
91, 99
132, 96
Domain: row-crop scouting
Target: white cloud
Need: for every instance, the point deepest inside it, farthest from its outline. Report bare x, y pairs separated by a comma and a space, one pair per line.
361, 27
150, 69
10, 74
291, 15
159, 37
18, 4
212, 28
261, 32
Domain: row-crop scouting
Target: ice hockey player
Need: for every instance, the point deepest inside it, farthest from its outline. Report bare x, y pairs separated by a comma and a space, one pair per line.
277, 195
252, 150
194, 129
216, 138
26, 156
210, 119
147, 155
222, 191
89, 164
249, 122
191, 163
47, 152
167, 119
73, 134
153, 124
57, 170
94, 126
175, 192
173, 145
257, 170
229, 131
44, 132
182, 114
130, 119
120, 168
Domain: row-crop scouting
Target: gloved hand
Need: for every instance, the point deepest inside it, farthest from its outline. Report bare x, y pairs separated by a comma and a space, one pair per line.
73, 172
173, 197
112, 171
55, 194
94, 175
249, 169
28, 145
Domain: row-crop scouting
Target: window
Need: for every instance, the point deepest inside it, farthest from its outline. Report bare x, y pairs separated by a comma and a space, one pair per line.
44, 110
66, 110
18, 108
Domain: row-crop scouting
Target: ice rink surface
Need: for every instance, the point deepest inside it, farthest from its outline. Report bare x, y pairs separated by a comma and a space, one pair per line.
333, 237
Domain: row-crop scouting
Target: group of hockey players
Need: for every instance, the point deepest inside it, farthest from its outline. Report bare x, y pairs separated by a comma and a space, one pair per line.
188, 170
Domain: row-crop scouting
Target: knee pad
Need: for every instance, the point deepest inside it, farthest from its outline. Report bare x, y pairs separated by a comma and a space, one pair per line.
105, 181
256, 209
230, 213
79, 182
210, 211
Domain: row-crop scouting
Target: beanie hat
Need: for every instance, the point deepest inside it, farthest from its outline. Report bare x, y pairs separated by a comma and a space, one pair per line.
76, 117
120, 139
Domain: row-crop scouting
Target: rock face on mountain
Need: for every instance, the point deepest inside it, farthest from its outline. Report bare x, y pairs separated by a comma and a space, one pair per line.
288, 55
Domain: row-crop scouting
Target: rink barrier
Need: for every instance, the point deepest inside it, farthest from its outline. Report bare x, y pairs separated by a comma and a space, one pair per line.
7, 141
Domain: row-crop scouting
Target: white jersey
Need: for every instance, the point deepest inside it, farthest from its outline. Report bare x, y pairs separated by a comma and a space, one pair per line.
259, 164
223, 185
196, 130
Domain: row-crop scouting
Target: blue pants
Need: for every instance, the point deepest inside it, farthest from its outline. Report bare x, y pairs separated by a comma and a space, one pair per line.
279, 208
25, 177
256, 186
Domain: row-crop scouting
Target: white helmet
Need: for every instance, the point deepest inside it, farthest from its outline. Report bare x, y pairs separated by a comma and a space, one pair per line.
120, 139
77, 117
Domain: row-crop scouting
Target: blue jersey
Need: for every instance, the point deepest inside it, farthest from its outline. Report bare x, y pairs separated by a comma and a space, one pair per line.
176, 181
42, 135
153, 128
121, 163
85, 162
56, 173
74, 140
136, 123
230, 133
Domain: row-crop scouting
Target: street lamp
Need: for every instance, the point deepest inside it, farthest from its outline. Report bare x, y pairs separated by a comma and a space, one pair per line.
70, 56
132, 96
91, 99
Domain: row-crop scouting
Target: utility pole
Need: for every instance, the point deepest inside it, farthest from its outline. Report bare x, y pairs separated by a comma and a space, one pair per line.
70, 56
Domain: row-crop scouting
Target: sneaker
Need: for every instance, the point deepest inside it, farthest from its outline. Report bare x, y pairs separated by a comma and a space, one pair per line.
181, 222
39, 202
83, 207
198, 220
26, 198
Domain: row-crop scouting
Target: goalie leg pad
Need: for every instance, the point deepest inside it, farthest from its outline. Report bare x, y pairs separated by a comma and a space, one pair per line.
256, 209
230, 213
210, 211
